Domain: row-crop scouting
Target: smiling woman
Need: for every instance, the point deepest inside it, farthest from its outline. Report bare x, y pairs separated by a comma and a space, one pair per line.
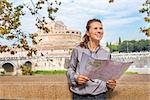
81, 86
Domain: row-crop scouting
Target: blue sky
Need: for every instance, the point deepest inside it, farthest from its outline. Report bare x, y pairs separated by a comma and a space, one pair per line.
120, 19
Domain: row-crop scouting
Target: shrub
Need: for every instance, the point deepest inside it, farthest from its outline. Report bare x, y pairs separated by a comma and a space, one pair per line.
50, 72
26, 70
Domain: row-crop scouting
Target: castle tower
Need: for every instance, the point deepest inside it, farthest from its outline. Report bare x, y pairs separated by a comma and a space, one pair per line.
59, 40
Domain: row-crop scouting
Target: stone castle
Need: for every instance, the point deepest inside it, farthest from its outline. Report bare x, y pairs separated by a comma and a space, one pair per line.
54, 47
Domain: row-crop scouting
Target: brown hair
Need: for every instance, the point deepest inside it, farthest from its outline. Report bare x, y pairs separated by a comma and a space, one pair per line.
85, 38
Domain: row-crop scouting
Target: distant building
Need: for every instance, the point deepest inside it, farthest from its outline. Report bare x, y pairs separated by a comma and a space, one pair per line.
54, 47
59, 40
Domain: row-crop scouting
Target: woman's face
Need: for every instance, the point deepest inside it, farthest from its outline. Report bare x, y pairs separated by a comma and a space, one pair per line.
95, 31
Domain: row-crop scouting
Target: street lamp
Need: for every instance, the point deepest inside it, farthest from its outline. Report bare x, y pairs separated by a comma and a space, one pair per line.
127, 47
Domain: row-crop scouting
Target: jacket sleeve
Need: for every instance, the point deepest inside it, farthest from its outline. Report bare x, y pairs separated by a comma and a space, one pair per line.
71, 71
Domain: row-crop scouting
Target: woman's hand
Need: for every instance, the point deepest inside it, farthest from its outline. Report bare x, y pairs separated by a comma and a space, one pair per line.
111, 84
81, 79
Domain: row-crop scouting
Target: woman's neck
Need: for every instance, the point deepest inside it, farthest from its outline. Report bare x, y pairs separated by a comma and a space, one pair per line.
93, 45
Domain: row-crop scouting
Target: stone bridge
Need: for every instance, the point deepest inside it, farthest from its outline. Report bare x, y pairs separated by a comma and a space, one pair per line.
140, 59
12, 64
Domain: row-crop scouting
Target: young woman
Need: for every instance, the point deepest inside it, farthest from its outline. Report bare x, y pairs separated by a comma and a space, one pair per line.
81, 86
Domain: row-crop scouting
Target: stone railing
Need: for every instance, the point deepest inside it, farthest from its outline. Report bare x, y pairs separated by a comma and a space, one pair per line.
56, 88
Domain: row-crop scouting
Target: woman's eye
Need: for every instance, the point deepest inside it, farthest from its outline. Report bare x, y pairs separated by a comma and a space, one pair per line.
98, 28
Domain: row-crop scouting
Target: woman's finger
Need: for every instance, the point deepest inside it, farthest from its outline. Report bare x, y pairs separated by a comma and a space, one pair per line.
84, 77
111, 86
81, 82
111, 81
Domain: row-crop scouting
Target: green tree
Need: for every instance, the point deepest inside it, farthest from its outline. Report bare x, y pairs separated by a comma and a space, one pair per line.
119, 40
114, 48
142, 45
133, 46
110, 47
107, 44
10, 23
123, 47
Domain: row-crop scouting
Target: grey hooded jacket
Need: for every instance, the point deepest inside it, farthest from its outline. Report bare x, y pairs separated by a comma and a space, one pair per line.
93, 88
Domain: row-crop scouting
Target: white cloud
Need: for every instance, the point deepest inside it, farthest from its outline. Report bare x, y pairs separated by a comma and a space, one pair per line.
120, 21
82, 10
75, 13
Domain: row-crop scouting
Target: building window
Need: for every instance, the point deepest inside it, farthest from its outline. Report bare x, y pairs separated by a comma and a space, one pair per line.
51, 60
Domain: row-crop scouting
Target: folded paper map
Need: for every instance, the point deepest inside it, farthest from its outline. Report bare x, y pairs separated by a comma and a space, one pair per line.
102, 69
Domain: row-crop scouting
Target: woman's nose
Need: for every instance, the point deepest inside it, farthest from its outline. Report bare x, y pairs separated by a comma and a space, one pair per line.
99, 31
